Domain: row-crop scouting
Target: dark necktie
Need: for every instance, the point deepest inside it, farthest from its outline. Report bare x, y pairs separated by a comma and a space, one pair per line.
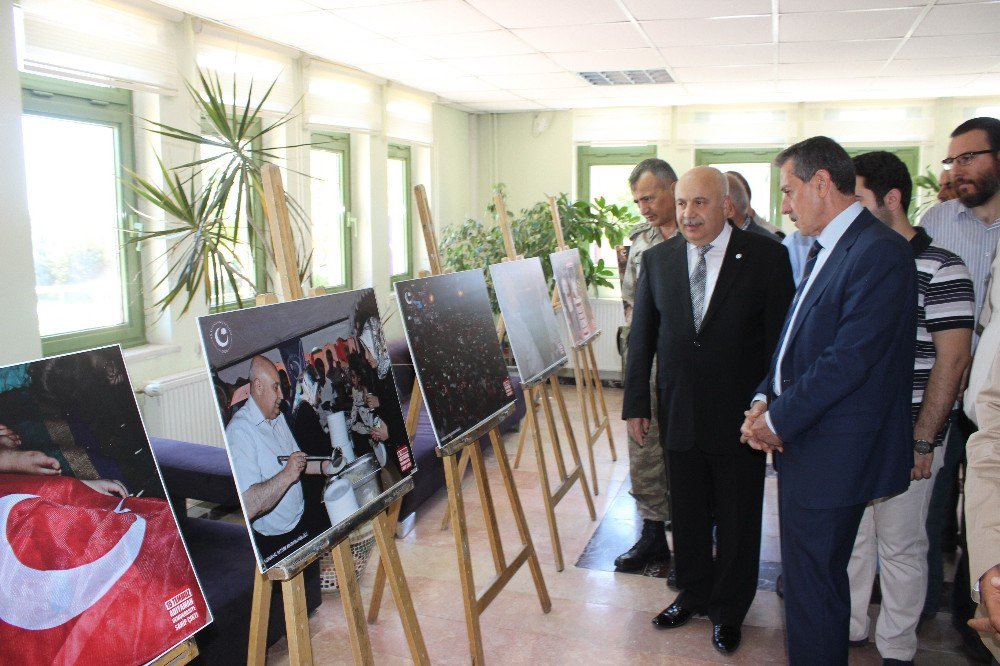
698, 286
806, 272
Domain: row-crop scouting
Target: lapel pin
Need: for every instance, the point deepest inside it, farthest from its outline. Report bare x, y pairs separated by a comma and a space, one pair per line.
739, 256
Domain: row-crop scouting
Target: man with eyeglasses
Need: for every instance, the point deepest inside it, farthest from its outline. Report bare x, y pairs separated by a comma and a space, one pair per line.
969, 226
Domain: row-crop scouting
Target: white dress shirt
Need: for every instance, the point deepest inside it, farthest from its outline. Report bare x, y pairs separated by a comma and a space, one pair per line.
713, 262
254, 445
828, 239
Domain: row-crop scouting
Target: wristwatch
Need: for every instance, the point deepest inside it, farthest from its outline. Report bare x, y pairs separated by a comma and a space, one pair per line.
922, 446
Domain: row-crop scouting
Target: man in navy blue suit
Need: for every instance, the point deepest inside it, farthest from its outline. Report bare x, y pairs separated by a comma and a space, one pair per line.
834, 407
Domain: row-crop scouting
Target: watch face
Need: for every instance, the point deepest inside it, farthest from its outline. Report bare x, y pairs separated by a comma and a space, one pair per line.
922, 447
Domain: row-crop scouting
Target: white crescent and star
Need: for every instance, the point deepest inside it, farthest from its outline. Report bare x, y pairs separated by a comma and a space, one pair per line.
222, 336
37, 599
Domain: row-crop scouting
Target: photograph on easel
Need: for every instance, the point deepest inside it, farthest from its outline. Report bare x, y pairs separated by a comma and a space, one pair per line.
452, 337
312, 421
94, 567
567, 271
530, 322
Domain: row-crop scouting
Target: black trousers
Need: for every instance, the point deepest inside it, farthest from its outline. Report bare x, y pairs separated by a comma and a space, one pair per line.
727, 492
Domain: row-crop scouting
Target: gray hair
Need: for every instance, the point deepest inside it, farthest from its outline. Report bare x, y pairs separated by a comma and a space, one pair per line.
738, 194
660, 169
820, 152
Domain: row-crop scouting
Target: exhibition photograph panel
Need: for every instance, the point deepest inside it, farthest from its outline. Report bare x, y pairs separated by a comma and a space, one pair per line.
529, 319
568, 274
453, 340
94, 567
312, 421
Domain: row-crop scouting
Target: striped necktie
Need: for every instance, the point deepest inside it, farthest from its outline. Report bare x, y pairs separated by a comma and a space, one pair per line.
698, 286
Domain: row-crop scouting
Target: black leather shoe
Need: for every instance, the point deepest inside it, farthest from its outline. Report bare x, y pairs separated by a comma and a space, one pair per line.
672, 580
673, 616
651, 547
726, 638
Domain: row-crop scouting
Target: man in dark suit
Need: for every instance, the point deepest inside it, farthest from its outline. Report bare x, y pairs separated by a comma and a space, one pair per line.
835, 403
709, 304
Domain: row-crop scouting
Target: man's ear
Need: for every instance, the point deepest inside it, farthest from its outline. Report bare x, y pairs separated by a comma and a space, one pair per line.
893, 198
823, 182
729, 209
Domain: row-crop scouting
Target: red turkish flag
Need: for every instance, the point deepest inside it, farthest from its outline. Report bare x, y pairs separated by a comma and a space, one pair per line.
86, 581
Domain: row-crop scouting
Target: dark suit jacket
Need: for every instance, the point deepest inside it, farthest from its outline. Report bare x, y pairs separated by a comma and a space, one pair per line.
847, 374
706, 379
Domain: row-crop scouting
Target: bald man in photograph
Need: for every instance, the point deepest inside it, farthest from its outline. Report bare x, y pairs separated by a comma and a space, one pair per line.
257, 435
709, 305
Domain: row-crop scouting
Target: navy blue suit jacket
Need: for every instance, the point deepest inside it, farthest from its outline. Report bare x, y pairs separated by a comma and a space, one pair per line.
847, 374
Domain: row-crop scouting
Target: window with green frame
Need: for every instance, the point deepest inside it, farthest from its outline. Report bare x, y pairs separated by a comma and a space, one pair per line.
756, 165
330, 205
250, 251
604, 172
400, 212
78, 141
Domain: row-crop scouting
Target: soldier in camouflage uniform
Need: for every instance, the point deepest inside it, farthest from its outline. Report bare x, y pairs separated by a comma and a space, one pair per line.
652, 182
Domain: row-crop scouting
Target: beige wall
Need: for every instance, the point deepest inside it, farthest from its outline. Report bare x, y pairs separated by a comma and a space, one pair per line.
19, 340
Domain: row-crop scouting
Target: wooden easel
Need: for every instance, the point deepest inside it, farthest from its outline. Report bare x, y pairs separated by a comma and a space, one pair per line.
588, 383
471, 450
289, 574
538, 394
180, 654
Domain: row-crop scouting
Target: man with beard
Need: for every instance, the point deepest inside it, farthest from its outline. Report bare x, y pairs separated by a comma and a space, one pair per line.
969, 226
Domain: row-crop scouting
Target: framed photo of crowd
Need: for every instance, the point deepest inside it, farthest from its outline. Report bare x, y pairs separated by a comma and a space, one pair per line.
312, 421
453, 340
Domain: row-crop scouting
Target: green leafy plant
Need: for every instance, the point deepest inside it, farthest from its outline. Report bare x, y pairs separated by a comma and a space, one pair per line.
927, 182
213, 205
472, 244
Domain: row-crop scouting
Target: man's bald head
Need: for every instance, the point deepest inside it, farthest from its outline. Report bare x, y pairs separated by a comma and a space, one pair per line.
739, 198
701, 204
265, 386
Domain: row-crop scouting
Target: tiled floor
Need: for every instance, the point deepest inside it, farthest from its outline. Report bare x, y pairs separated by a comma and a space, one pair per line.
597, 616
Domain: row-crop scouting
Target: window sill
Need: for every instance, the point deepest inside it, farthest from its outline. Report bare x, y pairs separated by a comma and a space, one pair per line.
149, 352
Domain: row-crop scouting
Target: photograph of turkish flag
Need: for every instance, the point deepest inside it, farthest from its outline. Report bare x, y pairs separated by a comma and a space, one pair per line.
90, 578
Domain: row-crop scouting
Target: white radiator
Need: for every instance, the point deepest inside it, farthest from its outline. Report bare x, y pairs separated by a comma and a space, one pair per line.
609, 315
182, 406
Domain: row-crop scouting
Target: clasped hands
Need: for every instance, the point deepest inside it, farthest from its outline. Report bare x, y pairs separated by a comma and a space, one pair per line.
757, 433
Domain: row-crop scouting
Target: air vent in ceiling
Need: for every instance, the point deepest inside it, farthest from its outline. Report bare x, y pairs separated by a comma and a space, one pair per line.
631, 77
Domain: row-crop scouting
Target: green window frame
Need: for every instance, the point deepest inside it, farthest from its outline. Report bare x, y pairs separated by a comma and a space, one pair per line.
110, 107
257, 250
588, 156
910, 155
339, 142
401, 152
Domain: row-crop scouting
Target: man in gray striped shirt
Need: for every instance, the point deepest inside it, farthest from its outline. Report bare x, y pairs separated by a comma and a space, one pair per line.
892, 531
970, 227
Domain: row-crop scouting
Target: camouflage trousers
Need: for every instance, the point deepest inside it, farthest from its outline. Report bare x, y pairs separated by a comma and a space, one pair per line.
647, 463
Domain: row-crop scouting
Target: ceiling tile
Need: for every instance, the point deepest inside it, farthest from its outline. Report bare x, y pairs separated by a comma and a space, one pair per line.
724, 74
947, 46
700, 32
534, 63
942, 66
312, 31
966, 19
707, 56
344, 4
224, 11
430, 17
463, 84
414, 68
469, 45
929, 86
535, 14
582, 61
568, 39
649, 10
808, 6
875, 24
494, 95
379, 51
843, 51
510, 107
829, 70
535, 81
